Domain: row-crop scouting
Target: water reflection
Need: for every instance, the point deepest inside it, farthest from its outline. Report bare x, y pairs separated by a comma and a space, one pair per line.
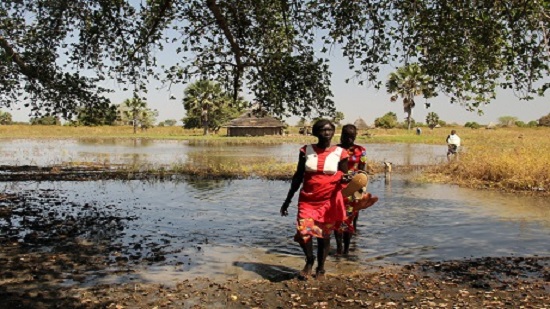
167, 152
227, 228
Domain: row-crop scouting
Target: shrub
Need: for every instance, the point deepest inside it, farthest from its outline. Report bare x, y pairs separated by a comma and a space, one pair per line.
472, 125
545, 121
388, 121
532, 123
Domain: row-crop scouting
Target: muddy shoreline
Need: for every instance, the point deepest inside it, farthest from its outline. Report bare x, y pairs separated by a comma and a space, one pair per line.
491, 282
53, 267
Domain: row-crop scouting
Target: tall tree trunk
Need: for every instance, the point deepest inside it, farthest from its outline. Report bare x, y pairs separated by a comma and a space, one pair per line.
205, 127
205, 120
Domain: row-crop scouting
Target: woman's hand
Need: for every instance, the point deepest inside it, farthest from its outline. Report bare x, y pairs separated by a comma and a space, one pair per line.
284, 209
366, 201
346, 178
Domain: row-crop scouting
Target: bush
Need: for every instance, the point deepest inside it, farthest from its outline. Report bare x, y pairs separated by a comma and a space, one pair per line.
388, 121
545, 121
472, 125
533, 123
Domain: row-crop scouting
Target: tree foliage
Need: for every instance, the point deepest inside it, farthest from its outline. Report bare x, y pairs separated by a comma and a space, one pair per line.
96, 116
168, 123
134, 111
507, 121
45, 121
209, 106
5, 118
407, 82
338, 117
432, 120
388, 121
544, 121
54, 54
472, 125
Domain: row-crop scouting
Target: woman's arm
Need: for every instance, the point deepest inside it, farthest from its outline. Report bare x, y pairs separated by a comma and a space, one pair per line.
343, 166
295, 184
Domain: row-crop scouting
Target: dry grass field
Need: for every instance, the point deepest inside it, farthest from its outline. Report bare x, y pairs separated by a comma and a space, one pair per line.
509, 159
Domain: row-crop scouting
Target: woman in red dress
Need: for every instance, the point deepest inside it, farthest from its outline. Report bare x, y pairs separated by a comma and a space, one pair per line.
320, 204
357, 161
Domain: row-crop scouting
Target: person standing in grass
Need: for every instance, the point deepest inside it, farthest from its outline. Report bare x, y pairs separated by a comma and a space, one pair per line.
357, 162
453, 143
320, 174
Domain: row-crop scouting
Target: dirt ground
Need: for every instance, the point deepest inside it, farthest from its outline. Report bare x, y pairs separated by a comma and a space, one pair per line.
50, 267
517, 282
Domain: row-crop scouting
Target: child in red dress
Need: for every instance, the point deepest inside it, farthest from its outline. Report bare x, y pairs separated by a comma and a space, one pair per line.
357, 162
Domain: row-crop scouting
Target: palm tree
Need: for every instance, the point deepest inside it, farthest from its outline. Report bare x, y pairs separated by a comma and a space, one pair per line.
134, 109
407, 82
204, 98
432, 119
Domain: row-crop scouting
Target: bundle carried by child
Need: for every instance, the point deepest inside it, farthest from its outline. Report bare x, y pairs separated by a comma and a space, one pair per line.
356, 191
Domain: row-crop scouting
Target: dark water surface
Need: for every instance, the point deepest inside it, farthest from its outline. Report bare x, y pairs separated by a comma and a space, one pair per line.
184, 229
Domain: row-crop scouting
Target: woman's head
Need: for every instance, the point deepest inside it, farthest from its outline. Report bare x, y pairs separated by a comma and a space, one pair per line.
323, 128
349, 133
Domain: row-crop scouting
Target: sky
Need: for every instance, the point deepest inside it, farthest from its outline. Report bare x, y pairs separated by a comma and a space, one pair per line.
353, 100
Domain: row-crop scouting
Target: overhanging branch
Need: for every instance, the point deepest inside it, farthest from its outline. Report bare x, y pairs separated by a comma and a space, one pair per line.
17, 59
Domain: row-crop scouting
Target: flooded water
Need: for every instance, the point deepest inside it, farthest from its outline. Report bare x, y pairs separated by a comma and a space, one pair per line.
171, 231
166, 152
166, 231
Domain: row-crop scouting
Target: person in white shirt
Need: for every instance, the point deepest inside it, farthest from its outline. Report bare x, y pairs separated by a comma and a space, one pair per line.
453, 143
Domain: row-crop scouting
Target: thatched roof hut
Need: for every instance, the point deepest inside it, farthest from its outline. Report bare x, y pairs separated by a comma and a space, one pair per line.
360, 124
249, 124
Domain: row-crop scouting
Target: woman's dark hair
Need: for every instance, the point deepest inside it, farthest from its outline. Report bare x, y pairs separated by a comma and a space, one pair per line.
319, 124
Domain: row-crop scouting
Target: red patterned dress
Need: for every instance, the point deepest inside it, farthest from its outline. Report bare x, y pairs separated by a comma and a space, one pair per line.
320, 204
357, 156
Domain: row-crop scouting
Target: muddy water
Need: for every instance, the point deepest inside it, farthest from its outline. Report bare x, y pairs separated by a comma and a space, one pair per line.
167, 231
165, 152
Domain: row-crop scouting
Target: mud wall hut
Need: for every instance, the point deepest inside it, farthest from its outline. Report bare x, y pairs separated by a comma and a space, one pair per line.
248, 124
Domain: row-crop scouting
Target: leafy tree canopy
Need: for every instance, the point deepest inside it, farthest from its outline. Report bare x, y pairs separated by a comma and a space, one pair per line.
135, 111
407, 82
53, 54
544, 121
45, 121
96, 116
5, 118
168, 123
388, 121
209, 106
338, 117
432, 120
507, 121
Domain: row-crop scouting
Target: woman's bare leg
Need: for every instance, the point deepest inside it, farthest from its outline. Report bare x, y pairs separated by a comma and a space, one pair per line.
347, 241
310, 259
338, 236
323, 246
